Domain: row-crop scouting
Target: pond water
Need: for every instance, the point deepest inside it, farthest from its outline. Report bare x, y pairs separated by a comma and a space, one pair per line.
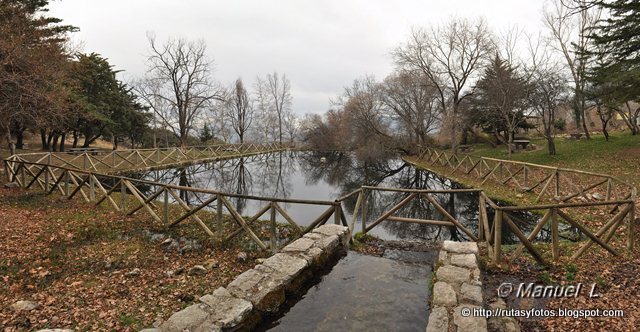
327, 176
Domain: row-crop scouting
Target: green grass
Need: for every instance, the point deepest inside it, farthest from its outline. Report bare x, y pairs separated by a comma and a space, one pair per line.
620, 156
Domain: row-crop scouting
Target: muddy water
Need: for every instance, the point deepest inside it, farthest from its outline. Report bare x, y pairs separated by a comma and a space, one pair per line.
365, 293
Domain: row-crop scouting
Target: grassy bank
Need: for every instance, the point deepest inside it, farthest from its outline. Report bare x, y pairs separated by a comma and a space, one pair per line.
615, 278
620, 156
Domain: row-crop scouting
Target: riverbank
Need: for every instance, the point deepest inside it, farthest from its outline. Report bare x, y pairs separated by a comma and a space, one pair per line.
615, 278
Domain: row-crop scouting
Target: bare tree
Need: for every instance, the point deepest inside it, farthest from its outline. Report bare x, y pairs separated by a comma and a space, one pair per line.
413, 103
239, 109
278, 89
266, 124
448, 56
362, 103
179, 76
291, 125
569, 28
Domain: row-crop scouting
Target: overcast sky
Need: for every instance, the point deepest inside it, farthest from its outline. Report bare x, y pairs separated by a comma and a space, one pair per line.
321, 46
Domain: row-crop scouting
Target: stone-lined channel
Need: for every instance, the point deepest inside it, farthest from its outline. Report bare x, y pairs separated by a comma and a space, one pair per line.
365, 293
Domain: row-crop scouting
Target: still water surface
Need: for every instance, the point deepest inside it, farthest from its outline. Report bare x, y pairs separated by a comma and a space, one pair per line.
327, 176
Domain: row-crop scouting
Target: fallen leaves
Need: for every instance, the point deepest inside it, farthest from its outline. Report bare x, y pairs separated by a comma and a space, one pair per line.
72, 259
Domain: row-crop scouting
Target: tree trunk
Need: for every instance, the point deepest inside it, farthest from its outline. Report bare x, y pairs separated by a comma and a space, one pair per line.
63, 137
11, 144
49, 139
584, 124
510, 147
43, 139
54, 144
551, 146
75, 139
20, 139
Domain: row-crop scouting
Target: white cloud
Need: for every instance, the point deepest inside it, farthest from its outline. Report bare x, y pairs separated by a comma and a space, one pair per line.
320, 45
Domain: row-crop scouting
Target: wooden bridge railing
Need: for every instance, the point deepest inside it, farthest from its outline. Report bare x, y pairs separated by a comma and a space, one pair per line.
127, 160
120, 191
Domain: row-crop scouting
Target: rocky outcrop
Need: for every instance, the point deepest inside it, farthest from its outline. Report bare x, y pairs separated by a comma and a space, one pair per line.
261, 290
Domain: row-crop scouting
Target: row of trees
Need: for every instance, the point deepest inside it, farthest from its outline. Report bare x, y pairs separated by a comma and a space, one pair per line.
49, 89
459, 76
186, 101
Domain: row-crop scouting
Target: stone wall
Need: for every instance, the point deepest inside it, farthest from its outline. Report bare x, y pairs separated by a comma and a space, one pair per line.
261, 290
457, 286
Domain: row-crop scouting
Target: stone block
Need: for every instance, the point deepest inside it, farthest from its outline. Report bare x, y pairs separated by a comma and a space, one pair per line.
453, 274
260, 288
464, 260
475, 274
283, 266
303, 248
468, 324
460, 247
332, 229
438, 320
443, 257
300, 245
188, 318
341, 232
470, 294
444, 295
226, 311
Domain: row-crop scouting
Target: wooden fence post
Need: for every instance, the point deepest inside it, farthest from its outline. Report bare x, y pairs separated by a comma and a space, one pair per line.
631, 226
497, 242
23, 174
336, 213
46, 178
92, 188
554, 234
165, 208
481, 204
273, 230
557, 176
219, 216
363, 215
123, 196
66, 183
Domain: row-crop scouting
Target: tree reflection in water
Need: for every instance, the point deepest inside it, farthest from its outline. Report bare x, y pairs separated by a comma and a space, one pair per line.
328, 175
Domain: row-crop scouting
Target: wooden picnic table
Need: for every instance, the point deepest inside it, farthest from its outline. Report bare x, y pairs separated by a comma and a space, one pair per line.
521, 143
465, 148
93, 151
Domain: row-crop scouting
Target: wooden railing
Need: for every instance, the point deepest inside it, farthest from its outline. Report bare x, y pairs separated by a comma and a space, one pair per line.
360, 208
119, 192
564, 189
554, 184
140, 159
